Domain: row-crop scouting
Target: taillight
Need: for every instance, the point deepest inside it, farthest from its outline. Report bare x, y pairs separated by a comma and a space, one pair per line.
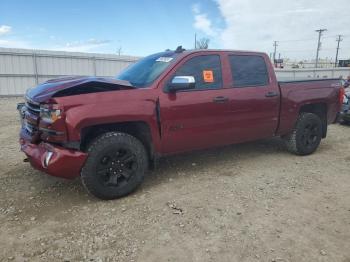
341, 95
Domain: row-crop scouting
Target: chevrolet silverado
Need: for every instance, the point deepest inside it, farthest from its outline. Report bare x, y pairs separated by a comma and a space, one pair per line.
109, 131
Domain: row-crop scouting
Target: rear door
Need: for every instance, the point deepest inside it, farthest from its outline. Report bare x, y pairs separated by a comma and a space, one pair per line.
198, 118
254, 97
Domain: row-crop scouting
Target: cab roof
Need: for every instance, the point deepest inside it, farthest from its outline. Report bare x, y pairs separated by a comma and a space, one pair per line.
191, 51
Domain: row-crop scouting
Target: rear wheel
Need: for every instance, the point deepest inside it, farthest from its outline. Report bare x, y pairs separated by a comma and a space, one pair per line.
115, 166
306, 135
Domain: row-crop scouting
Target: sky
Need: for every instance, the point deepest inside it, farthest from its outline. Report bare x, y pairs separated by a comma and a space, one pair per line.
143, 27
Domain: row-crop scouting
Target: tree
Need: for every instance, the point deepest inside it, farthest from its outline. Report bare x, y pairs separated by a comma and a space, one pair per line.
202, 43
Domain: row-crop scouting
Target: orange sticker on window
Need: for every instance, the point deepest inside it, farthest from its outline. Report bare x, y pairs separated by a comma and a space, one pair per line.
208, 76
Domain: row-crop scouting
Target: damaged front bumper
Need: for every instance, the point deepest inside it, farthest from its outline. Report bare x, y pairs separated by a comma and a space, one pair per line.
54, 160
50, 158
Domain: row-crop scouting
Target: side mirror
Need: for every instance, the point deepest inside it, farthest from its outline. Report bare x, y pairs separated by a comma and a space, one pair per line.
181, 83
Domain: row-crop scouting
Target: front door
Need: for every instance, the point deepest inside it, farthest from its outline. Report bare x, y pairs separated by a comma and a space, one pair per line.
197, 118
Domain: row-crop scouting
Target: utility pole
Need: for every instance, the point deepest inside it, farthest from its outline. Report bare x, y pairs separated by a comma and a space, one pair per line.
320, 31
339, 39
195, 41
274, 51
119, 51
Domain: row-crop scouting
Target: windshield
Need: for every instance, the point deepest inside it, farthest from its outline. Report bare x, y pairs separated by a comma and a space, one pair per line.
148, 69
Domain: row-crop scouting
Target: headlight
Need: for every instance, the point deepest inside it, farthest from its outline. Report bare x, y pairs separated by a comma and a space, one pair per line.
50, 113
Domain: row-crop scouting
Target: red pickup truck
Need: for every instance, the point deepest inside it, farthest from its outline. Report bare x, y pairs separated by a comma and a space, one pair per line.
109, 131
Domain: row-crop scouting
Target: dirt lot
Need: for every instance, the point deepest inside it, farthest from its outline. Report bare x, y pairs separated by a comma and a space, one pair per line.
251, 202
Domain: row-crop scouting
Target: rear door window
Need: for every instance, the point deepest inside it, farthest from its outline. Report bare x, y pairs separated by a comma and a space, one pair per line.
248, 70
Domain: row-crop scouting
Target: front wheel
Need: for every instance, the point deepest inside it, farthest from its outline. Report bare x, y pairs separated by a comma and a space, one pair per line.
306, 135
116, 165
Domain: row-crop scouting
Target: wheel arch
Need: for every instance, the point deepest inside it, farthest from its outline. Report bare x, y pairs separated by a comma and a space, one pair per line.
139, 129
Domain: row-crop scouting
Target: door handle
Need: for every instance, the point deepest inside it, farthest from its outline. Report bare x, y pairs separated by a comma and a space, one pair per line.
271, 94
220, 99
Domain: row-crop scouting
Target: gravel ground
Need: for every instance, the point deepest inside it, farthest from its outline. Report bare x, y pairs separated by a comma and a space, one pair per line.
249, 202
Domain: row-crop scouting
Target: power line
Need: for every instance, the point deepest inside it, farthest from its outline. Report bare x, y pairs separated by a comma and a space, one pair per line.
295, 51
308, 39
320, 31
280, 43
339, 39
303, 50
297, 40
331, 36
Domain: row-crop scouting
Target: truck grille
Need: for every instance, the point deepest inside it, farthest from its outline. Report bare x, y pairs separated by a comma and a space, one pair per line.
31, 116
30, 129
32, 107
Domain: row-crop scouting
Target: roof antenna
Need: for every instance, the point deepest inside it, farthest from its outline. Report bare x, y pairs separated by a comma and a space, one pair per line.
179, 49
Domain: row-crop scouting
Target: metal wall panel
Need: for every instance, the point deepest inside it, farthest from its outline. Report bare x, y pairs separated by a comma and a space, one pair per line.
15, 85
295, 74
110, 67
21, 69
10, 64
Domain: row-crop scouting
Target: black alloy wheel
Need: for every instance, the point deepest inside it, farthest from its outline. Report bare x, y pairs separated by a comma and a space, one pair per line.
116, 165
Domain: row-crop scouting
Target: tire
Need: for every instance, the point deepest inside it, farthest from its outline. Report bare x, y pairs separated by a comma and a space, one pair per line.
306, 135
115, 166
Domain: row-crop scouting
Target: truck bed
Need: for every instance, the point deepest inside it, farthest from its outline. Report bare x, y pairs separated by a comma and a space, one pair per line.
317, 91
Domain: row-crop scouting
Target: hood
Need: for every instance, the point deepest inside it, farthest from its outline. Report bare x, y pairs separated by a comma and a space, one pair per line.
73, 86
